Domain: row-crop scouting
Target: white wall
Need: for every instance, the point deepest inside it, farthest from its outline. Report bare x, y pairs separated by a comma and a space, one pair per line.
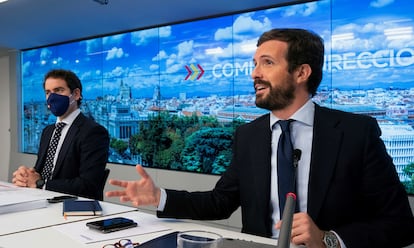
5, 117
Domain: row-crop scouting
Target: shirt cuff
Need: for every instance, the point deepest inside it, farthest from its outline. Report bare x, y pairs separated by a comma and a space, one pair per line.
163, 200
340, 240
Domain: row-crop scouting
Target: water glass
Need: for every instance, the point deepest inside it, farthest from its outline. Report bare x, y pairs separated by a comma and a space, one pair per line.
198, 239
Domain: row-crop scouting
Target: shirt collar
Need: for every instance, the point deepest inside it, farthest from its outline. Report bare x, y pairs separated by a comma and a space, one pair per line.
70, 118
304, 115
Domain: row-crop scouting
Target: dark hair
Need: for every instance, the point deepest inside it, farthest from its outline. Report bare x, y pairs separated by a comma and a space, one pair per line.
69, 77
304, 47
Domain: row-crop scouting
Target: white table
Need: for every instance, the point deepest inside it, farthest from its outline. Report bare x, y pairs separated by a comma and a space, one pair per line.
46, 227
51, 215
53, 237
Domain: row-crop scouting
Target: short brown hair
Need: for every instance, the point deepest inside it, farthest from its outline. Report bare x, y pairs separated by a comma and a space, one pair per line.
304, 47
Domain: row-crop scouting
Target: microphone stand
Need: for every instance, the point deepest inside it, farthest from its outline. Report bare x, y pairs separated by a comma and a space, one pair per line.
287, 219
289, 209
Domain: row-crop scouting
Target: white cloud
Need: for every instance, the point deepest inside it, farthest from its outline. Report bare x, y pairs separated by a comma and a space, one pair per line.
86, 74
165, 31
381, 3
115, 53
300, 9
26, 68
242, 27
174, 68
117, 71
369, 35
113, 39
246, 47
45, 54
92, 46
185, 48
171, 60
244, 24
160, 56
144, 36
154, 67
223, 33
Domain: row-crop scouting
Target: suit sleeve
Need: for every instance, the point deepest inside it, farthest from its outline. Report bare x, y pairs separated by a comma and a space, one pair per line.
218, 203
384, 217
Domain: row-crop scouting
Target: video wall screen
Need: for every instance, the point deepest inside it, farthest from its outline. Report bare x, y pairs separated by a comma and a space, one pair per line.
172, 96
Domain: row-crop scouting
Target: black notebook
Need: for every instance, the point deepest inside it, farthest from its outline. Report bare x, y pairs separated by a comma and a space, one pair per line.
81, 208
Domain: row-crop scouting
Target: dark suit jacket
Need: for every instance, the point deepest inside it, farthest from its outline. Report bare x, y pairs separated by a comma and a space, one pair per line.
81, 161
353, 185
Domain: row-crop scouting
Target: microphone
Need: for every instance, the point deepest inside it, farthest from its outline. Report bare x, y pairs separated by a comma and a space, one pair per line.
297, 153
287, 219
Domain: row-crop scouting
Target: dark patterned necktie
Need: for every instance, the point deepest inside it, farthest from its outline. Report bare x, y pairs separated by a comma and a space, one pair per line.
51, 150
285, 170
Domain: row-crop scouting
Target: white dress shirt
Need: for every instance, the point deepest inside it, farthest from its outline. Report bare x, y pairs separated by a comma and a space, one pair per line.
301, 135
68, 120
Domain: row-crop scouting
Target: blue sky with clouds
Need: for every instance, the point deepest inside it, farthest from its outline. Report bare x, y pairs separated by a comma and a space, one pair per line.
369, 43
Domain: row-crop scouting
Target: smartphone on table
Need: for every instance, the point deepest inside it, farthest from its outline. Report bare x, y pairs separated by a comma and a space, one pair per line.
61, 198
112, 224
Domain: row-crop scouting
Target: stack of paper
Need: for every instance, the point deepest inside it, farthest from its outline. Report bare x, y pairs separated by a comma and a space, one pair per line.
15, 199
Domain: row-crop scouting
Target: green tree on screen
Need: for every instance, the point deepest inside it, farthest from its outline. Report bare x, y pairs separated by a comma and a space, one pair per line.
207, 150
189, 143
118, 145
409, 184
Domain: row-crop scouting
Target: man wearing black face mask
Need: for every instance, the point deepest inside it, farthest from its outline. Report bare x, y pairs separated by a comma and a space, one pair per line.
74, 162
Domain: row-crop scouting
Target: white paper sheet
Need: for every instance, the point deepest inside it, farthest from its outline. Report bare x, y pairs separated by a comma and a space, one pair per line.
80, 232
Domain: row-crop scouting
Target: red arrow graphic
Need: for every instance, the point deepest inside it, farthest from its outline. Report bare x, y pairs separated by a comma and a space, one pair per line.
202, 71
189, 72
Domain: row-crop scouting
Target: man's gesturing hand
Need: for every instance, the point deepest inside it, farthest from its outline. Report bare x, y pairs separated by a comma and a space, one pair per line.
140, 193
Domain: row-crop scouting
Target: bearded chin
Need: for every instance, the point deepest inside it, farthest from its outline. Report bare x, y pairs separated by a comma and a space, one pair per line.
277, 99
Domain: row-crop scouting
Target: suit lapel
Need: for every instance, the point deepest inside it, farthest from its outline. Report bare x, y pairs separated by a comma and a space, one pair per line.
261, 152
326, 143
70, 136
44, 144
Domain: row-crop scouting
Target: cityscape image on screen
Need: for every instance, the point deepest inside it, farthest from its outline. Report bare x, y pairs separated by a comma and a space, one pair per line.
172, 96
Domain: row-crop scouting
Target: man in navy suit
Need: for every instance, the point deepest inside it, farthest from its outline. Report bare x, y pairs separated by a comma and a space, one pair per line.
349, 194
78, 165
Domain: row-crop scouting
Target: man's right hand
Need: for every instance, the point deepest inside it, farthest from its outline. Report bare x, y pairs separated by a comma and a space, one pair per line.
25, 177
139, 193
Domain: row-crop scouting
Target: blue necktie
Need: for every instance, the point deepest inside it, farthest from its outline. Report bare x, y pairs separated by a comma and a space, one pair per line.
285, 170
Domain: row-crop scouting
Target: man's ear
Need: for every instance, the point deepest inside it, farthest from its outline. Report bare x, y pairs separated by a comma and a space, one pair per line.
77, 93
303, 73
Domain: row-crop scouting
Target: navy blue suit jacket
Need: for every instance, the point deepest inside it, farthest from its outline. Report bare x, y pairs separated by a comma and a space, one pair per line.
81, 161
353, 185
